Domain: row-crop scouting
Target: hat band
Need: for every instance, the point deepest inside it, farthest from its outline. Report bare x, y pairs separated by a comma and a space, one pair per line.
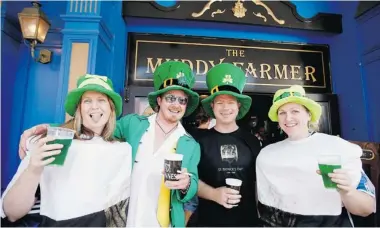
224, 88
170, 82
95, 81
288, 94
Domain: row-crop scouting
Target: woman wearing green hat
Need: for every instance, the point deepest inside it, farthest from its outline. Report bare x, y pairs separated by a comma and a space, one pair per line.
291, 192
91, 187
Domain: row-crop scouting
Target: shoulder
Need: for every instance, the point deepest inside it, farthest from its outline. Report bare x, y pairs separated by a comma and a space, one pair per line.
338, 144
187, 142
122, 145
273, 147
133, 117
187, 138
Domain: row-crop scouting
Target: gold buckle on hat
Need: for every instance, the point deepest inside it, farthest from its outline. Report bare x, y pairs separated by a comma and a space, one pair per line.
214, 90
171, 82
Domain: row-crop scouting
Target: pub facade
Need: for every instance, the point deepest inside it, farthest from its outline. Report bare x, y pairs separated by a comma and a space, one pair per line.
330, 48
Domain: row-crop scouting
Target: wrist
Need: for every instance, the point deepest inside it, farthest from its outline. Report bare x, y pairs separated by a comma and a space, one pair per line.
214, 194
34, 171
347, 193
185, 190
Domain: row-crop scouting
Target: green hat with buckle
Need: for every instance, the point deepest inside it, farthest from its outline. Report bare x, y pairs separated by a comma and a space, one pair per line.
294, 94
226, 78
174, 75
96, 83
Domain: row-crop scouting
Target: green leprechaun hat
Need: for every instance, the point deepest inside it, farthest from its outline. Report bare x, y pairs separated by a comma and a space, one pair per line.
294, 94
226, 78
174, 75
97, 83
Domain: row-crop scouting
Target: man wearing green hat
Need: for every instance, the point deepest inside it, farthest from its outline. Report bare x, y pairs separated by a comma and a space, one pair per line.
227, 152
154, 202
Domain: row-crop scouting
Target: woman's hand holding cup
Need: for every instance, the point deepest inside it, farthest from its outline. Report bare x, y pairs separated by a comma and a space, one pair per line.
41, 154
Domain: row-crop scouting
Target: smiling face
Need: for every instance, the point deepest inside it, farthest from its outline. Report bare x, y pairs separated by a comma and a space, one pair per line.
225, 108
294, 119
95, 110
172, 105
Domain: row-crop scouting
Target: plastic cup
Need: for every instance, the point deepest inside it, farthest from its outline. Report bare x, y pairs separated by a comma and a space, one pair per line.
62, 136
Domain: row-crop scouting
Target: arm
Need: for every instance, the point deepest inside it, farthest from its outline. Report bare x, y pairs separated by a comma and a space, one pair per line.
205, 191
349, 180
122, 126
192, 168
224, 196
358, 203
365, 194
19, 198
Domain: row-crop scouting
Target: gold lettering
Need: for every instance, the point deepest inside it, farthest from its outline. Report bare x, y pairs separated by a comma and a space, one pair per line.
238, 63
167, 59
213, 64
198, 67
241, 53
228, 52
250, 70
279, 74
187, 61
232, 52
294, 72
266, 71
309, 71
150, 65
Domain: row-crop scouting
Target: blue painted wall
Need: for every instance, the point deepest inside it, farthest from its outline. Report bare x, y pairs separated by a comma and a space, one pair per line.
369, 54
29, 87
10, 44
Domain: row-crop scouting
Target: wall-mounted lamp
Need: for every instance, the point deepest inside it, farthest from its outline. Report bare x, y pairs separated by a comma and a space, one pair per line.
34, 26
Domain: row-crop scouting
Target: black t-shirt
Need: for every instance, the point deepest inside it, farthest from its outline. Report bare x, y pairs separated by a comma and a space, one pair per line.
228, 155
198, 133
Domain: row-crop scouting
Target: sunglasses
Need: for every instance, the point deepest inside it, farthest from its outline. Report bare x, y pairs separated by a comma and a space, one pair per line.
170, 98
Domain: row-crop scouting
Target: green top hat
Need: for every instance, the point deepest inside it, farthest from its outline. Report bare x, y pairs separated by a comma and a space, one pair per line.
174, 75
294, 94
226, 78
96, 83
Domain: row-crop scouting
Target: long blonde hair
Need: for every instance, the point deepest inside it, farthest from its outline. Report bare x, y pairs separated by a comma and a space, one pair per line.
76, 124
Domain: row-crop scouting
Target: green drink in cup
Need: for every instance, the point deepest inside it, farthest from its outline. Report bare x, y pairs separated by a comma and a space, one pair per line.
327, 164
62, 136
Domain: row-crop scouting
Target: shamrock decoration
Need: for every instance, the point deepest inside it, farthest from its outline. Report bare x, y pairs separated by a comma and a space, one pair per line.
227, 79
181, 79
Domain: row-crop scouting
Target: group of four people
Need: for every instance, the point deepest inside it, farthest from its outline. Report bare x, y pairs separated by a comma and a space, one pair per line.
112, 175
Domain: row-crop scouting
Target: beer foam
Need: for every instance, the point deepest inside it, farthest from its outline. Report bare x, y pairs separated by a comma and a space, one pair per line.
174, 157
329, 159
60, 133
233, 182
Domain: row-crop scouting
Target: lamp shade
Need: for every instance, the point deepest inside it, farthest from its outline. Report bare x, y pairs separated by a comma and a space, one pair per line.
34, 23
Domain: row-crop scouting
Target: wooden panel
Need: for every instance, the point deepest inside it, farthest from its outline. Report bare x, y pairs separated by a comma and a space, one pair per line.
78, 65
